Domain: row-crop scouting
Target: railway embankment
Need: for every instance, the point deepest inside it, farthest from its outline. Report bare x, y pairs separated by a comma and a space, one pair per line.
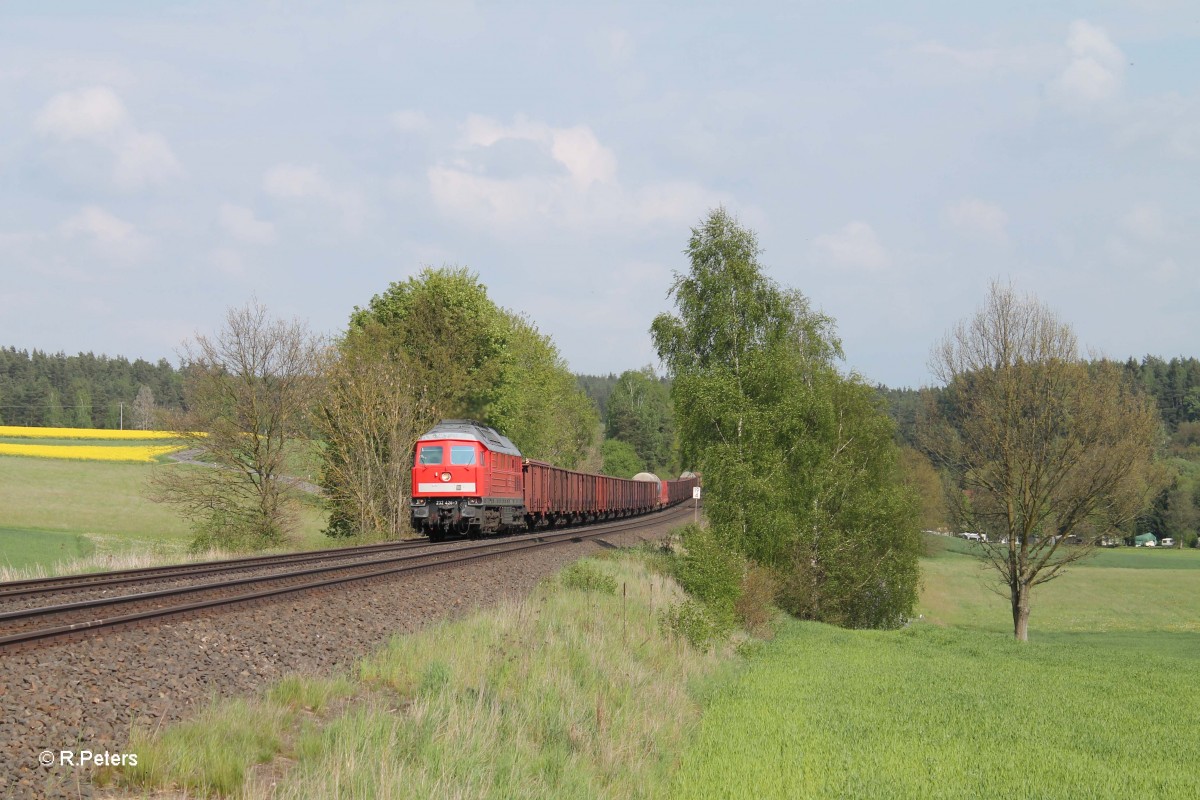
577, 690
93, 694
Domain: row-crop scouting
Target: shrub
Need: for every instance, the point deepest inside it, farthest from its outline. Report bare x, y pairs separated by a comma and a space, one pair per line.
707, 570
755, 605
699, 623
587, 577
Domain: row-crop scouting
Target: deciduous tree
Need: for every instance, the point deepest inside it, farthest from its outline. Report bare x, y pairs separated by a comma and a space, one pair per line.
798, 460
1046, 448
620, 459
249, 389
639, 412
370, 414
470, 358
144, 410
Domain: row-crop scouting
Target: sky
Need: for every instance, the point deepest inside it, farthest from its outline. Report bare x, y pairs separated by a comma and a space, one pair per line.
163, 162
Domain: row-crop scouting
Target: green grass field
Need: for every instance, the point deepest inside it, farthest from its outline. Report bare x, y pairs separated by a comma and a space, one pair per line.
46, 502
1102, 702
21, 547
1130, 590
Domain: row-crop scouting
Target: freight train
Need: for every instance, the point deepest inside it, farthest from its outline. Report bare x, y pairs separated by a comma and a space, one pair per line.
468, 479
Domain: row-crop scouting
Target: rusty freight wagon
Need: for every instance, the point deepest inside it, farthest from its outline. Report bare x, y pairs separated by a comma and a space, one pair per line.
469, 479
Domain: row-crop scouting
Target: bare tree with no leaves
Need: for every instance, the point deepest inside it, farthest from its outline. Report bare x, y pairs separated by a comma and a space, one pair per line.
1045, 449
248, 391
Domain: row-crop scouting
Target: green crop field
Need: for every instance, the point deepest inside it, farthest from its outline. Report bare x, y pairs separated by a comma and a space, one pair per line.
21, 547
1101, 703
95, 505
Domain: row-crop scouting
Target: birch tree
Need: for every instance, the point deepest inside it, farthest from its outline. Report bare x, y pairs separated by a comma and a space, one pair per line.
144, 410
798, 461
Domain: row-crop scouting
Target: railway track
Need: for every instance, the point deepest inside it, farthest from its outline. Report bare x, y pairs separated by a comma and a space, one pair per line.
106, 580
52, 621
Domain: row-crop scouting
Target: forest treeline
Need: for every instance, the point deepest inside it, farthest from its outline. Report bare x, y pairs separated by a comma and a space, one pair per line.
639, 422
56, 390
1174, 386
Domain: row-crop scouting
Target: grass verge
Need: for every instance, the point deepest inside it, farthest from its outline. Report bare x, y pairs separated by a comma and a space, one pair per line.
576, 691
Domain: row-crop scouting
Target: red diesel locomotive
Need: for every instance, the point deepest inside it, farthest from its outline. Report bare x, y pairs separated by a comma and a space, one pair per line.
469, 479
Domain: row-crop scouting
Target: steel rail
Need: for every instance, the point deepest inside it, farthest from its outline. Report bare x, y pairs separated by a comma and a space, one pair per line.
91, 580
485, 550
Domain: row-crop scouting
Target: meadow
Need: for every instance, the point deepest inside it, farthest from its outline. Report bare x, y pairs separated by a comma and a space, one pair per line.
71, 510
1101, 702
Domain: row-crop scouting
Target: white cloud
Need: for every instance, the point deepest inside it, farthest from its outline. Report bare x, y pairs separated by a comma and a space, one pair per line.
295, 182
1167, 271
240, 223
144, 159
979, 218
91, 114
613, 47
577, 149
409, 121
97, 116
585, 196
228, 262
481, 131
1095, 72
985, 60
109, 235
854, 244
1170, 120
1145, 221
581, 153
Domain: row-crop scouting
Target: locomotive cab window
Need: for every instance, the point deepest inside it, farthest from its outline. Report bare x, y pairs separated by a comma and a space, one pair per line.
431, 454
462, 455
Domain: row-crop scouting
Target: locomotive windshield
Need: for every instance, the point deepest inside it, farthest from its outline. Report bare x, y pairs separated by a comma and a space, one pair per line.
462, 454
431, 454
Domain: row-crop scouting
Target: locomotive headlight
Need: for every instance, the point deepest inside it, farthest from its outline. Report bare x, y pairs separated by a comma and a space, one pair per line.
445, 477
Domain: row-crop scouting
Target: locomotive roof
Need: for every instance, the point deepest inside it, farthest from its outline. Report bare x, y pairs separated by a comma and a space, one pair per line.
471, 430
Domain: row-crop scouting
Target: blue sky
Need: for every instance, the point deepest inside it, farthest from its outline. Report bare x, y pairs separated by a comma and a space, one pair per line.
162, 162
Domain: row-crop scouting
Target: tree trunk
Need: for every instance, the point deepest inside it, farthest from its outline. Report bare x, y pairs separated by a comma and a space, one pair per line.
1020, 609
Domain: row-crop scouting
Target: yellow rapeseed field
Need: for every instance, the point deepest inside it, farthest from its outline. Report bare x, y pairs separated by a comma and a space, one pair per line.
142, 453
20, 432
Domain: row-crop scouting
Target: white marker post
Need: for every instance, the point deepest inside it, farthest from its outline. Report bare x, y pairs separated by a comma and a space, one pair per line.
696, 497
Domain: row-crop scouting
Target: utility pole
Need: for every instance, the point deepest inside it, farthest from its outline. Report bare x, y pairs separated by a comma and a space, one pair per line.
121, 406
